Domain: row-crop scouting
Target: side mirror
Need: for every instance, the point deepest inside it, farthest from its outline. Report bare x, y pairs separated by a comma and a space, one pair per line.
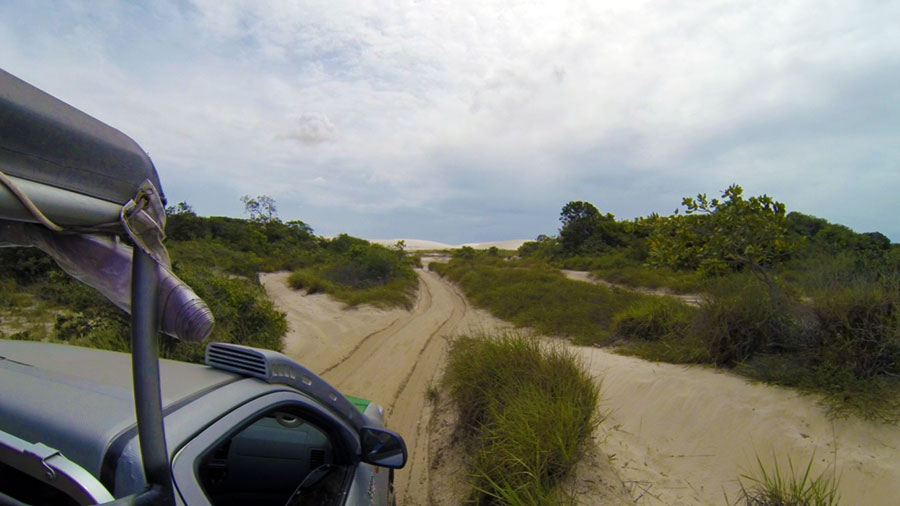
381, 447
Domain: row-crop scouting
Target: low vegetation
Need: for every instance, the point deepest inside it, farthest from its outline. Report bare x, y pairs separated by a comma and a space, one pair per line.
796, 487
542, 299
357, 272
219, 258
526, 410
785, 298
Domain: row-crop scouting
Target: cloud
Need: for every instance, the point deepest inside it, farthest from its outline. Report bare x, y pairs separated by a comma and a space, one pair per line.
312, 128
450, 110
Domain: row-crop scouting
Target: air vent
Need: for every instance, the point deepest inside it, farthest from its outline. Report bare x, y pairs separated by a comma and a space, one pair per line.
237, 359
275, 368
316, 458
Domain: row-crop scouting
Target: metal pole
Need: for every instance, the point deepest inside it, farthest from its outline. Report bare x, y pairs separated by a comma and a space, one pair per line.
145, 369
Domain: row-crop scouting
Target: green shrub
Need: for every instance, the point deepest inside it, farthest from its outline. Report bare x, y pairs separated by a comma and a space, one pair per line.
363, 274
70, 326
860, 328
653, 319
741, 317
309, 280
11, 296
525, 411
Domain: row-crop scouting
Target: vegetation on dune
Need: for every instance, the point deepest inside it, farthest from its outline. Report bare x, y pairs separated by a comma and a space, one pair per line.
526, 410
357, 272
219, 258
786, 298
540, 298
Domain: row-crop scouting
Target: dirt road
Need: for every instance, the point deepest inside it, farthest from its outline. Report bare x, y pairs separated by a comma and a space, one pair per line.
389, 356
675, 434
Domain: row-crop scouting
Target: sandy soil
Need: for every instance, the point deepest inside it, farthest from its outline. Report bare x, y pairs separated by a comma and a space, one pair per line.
682, 435
676, 435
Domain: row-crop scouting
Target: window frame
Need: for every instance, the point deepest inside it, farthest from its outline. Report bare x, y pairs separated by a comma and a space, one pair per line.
185, 464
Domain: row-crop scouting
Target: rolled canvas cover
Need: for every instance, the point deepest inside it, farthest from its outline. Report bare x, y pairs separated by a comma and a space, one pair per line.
86, 183
45, 140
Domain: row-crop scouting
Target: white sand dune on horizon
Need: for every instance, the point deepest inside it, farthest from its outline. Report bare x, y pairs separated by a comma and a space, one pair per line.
423, 244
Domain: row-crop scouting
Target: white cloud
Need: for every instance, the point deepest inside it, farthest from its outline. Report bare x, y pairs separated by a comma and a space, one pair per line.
440, 105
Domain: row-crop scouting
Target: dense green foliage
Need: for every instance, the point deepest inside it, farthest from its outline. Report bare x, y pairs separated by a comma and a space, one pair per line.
785, 298
721, 236
219, 258
525, 412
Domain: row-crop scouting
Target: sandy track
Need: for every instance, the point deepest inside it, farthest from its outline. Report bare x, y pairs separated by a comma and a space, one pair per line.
678, 435
389, 356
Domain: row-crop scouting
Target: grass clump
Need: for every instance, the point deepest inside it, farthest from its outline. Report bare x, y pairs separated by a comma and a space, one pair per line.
525, 411
773, 488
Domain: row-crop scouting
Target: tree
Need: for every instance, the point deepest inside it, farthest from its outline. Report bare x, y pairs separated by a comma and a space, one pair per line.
300, 230
585, 230
721, 235
183, 224
180, 208
261, 209
578, 221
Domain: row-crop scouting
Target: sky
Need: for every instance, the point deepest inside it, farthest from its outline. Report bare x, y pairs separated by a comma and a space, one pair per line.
468, 121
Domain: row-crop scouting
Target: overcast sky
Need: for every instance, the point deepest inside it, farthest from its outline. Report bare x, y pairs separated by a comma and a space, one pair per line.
464, 121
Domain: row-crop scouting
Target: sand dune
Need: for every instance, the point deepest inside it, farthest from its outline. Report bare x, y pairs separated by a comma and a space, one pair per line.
420, 244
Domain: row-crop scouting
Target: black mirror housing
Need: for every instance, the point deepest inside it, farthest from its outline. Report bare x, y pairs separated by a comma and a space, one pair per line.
382, 447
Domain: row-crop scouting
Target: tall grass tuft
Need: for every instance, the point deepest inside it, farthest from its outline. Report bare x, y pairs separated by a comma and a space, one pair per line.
772, 488
525, 411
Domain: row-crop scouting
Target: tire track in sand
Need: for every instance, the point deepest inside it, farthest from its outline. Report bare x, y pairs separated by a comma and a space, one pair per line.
393, 365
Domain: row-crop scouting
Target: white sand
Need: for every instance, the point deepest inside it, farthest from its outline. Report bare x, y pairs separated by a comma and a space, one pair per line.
686, 433
419, 244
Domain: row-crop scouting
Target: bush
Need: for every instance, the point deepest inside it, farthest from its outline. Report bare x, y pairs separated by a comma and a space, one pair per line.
525, 412
361, 273
311, 281
653, 319
741, 317
860, 328
11, 297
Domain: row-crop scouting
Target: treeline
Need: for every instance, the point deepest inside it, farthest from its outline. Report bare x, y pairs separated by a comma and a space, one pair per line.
219, 257
786, 298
